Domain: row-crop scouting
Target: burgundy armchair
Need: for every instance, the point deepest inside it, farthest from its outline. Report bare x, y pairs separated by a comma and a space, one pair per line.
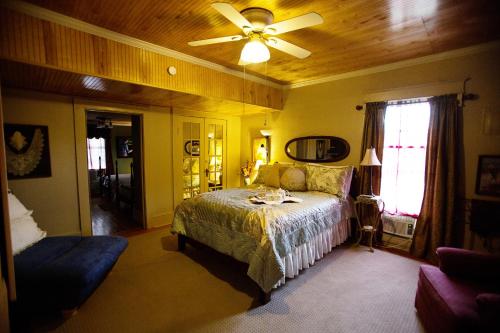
462, 295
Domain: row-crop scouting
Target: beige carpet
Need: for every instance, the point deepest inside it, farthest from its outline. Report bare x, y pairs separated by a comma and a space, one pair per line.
154, 288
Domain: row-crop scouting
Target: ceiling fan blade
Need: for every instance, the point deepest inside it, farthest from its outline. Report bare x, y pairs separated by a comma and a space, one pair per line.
216, 40
295, 23
232, 15
289, 48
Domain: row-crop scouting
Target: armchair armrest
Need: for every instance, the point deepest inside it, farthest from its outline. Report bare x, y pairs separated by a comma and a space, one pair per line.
467, 263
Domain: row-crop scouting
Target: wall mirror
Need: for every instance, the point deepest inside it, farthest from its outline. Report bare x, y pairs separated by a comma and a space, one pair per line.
320, 149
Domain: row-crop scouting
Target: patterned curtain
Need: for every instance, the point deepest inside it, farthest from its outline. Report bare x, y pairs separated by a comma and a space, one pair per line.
440, 222
373, 136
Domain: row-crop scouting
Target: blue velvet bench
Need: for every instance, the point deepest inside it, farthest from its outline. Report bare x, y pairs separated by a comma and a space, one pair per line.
60, 273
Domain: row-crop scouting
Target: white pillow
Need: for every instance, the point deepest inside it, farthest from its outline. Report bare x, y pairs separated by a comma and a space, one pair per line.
330, 179
16, 208
24, 232
293, 178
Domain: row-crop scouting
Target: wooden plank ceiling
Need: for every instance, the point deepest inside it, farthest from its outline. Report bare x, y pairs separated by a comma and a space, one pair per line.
25, 76
80, 64
356, 34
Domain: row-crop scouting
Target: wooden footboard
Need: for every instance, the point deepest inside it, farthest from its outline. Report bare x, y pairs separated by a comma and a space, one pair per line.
263, 297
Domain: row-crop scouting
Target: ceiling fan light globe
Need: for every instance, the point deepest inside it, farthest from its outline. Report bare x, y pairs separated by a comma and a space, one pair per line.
255, 52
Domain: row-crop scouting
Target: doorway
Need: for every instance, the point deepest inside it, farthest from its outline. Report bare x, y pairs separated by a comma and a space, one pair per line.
115, 172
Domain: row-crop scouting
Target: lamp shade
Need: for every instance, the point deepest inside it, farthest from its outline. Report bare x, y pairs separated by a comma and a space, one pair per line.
266, 132
255, 52
370, 158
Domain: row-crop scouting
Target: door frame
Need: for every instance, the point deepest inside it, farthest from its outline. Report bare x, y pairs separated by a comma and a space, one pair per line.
80, 108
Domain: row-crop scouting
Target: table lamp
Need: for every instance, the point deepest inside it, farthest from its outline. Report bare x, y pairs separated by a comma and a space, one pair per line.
370, 160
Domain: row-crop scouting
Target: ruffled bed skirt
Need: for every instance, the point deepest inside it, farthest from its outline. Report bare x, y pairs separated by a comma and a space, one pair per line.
306, 255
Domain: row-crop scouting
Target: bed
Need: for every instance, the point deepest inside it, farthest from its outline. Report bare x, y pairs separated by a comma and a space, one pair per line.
276, 241
119, 186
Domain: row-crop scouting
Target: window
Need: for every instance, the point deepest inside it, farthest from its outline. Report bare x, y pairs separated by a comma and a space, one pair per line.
95, 149
403, 166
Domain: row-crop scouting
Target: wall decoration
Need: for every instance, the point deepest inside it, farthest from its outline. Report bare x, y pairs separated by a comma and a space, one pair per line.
27, 151
488, 175
124, 146
320, 149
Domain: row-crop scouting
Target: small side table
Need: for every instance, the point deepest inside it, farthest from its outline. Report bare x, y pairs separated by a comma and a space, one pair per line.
369, 223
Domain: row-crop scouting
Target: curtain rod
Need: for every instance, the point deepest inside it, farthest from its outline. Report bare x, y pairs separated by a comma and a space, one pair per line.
461, 96
409, 100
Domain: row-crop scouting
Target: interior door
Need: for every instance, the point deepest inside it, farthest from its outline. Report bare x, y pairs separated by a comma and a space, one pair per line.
188, 158
215, 174
138, 181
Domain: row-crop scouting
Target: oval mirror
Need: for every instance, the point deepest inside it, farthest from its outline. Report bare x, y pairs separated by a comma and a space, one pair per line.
320, 149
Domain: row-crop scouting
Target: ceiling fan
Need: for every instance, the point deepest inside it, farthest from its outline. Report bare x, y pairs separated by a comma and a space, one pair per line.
259, 29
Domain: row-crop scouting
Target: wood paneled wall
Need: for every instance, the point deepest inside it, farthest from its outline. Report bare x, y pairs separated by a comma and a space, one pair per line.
25, 76
33, 41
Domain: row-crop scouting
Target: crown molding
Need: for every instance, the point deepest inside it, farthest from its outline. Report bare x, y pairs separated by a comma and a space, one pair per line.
54, 17
401, 64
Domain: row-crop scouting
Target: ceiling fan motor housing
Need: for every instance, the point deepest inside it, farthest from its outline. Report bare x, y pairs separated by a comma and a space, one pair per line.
259, 17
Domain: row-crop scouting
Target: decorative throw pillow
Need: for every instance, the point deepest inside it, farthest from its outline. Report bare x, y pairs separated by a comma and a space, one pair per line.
16, 208
261, 174
348, 179
24, 232
293, 178
272, 177
328, 179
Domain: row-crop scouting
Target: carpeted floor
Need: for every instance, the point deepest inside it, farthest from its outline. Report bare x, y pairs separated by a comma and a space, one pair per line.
154, 288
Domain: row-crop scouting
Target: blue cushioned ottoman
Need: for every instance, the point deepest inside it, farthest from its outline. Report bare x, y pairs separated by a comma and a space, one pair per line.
59, 273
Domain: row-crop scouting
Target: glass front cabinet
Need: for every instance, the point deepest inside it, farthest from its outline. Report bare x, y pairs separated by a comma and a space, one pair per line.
199, 156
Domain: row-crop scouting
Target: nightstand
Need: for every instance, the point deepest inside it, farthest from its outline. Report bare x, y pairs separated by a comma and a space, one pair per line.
369, 222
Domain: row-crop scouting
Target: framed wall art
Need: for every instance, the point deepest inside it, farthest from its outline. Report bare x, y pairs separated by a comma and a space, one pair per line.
124, 146
488, 175
27, 151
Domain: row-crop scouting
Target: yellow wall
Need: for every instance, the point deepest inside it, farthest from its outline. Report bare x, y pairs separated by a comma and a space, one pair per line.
54, 200
329, 108
60, 205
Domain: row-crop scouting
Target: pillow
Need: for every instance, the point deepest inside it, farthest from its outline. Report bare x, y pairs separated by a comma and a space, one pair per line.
24, 232
293, 178
16, 208
329, 179
348, 179
261, 174
272, 177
